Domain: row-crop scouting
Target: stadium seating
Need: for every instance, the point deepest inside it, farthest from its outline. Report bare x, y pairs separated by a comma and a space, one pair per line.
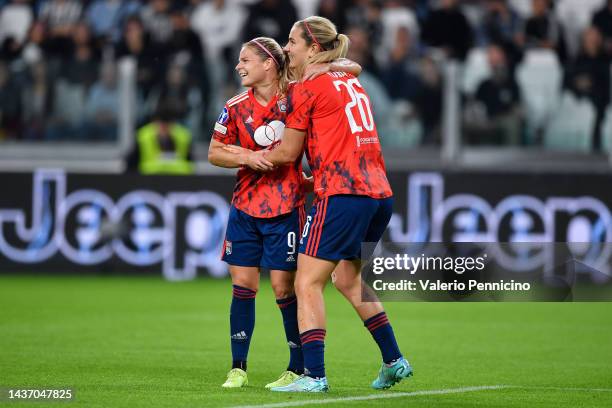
571, 126
539, 77
475, 71
523, 7
575, 16
69, 102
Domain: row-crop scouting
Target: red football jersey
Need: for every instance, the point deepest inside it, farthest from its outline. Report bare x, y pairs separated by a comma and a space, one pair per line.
246, 122
342, 144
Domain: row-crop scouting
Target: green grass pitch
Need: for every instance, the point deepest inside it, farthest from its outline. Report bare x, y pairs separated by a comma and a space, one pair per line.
143, 342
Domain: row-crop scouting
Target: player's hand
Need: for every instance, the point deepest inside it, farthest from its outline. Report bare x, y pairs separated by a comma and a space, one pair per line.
257, 161
307, 183
314, 70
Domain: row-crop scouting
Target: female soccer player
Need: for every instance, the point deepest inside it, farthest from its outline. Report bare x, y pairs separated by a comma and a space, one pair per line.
353, 198
267, 211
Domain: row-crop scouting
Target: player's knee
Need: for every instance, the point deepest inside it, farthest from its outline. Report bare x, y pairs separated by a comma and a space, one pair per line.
341, 286
282, 290
299, 287
305, 283
347, 286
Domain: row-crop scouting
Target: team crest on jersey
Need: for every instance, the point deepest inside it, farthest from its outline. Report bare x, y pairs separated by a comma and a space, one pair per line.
282, 104
228, 247
223, 117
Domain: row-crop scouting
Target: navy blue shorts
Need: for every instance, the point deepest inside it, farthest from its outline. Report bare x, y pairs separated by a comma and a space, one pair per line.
338, 225
270, 243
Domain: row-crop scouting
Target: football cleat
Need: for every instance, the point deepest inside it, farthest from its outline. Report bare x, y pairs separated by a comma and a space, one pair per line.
305, 384
236, 378
285, 378
391, 374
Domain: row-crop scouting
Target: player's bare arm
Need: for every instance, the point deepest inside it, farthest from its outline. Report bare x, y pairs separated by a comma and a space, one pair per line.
235, 149
222, 155
341, 64
289, 149
287, 152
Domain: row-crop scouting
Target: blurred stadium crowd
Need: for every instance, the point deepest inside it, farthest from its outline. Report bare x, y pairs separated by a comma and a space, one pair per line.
534, 72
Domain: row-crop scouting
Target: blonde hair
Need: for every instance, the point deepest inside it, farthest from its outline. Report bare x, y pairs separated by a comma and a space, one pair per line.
265, 48
321, 31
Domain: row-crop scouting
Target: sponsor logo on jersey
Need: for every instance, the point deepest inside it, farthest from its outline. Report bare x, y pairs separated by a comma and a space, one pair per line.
366, 140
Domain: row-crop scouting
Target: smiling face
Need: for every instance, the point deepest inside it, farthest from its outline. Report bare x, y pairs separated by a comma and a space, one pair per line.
297, 49
251, 68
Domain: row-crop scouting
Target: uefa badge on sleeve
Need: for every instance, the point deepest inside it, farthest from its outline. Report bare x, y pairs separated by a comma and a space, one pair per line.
223, 117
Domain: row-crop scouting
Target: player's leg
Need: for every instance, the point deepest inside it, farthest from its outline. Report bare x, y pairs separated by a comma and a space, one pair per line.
280, 256
245, 284
395, 367
349, 221
242, 251
314, 269
347, 280
312, 275
284, 292
286, 300
372, 313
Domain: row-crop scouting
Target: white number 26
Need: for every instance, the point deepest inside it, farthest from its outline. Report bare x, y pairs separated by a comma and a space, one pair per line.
359, 99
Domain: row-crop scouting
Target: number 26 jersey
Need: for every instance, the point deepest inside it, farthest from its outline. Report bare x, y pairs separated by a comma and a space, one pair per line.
342, 144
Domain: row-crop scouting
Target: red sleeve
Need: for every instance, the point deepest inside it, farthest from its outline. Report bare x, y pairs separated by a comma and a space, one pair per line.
314, 99
225, 129
300, 101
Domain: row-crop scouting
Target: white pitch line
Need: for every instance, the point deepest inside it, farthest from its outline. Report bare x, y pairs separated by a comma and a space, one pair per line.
419, 393
377, 396
537, 387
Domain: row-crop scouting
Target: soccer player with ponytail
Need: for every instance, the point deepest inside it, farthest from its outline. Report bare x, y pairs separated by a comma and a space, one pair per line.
331, 116
267, 212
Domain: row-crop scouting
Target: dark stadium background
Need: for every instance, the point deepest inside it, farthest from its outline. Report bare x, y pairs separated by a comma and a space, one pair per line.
479, 104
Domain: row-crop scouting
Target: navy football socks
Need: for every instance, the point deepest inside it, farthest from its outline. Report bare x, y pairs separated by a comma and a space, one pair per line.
382, 332
242, 323
288, 308
313, 346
